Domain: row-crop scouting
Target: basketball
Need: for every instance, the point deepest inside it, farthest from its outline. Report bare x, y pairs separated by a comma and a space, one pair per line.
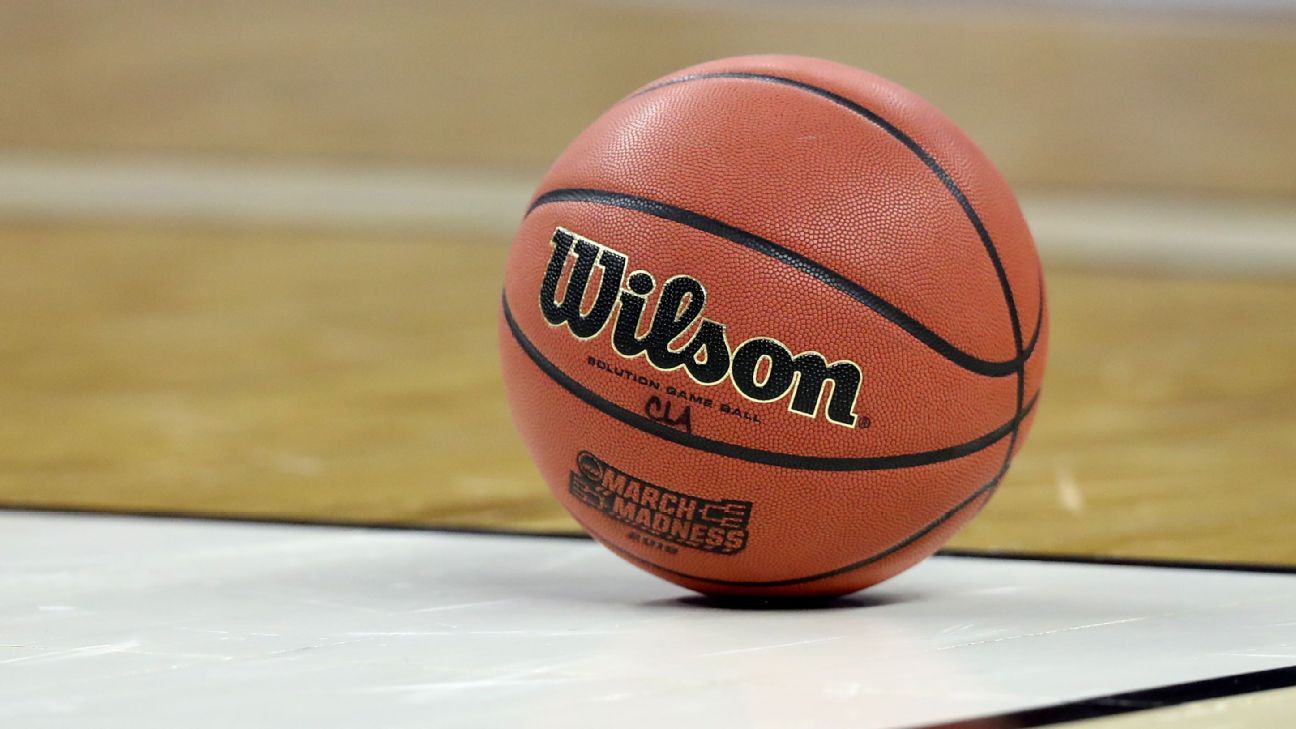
773, 326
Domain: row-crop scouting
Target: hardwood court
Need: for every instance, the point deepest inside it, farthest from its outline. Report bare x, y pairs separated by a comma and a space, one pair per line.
347, 377
1199, 100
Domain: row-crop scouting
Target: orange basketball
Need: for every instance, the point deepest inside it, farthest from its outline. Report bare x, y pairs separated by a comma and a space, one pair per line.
773, 326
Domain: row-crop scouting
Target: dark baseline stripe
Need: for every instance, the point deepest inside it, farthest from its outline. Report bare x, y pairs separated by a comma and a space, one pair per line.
712, 226
860, 564
407, 526
1188, 692
271, 519
1169, 563
755, 455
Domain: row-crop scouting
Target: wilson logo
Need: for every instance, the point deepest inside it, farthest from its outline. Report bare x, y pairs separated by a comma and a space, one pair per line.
761, 369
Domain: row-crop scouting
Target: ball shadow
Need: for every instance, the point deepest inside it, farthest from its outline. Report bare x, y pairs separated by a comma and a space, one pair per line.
844, 602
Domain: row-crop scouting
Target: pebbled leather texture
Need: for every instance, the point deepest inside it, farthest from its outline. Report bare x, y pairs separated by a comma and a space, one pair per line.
823, 217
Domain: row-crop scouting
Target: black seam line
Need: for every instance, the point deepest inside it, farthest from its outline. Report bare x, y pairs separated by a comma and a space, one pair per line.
860, 564
755, 455
912, 145
901, 137
1148, 562
276, 519
720, 229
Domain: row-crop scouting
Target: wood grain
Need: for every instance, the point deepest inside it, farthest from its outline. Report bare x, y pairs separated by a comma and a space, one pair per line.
346, 377
1058, 97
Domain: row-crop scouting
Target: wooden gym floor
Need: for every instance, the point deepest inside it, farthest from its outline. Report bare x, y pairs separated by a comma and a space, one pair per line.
324, 369
351, 377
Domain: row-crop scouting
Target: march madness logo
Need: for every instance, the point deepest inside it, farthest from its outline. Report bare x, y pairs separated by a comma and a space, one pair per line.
717, 526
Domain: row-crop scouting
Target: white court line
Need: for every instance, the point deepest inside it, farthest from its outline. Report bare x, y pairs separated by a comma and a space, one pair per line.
174, 627
1162, 232
256, 194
